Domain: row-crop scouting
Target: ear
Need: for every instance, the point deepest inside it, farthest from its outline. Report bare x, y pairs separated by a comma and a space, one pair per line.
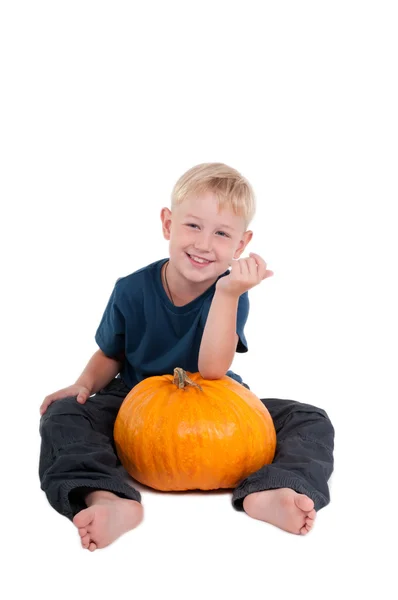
246, 238
165, 215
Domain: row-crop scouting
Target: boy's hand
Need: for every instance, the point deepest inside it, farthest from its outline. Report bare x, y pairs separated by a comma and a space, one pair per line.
245, 274
80, 391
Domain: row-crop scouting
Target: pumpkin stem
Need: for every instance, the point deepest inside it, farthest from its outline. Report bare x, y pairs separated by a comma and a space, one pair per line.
181, 379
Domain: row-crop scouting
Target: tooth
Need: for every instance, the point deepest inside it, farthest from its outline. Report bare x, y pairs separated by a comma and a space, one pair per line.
199, 259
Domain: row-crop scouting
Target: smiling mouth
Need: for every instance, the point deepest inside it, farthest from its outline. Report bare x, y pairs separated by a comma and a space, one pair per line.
202, 261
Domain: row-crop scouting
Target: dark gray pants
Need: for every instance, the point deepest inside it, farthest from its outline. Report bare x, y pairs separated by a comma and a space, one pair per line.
78, 453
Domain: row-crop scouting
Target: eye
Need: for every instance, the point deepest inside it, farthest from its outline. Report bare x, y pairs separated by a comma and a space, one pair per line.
195, 225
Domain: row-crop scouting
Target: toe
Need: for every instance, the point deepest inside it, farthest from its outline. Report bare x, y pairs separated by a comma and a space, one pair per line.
92, 547
311, 514
82, 531
304, 530
86, 540
83, 518
303, 502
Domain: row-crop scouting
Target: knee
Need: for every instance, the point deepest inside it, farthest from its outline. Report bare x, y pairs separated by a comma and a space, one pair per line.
58, 409
308, 417
322, 417
311, 410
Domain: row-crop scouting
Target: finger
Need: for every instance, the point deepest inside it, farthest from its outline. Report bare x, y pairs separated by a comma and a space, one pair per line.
259, 260
262, 266
254, 267
244, 266
236, 267
248, 268
262, 271
258, 257
257, 266
44, 406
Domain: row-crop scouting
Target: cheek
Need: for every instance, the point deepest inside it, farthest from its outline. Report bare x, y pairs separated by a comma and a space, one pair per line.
180, 241
185, 237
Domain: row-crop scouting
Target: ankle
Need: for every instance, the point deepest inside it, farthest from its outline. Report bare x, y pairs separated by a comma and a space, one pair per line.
97, 495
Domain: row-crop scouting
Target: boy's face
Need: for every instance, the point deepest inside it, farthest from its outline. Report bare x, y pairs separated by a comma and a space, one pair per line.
216, 236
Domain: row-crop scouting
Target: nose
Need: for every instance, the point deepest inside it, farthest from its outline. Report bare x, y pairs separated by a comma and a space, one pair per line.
203, 242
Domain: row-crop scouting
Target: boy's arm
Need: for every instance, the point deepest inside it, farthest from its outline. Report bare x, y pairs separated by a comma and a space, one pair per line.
219, 339
99, 371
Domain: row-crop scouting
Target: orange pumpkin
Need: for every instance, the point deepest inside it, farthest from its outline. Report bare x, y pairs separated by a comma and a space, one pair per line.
184, 432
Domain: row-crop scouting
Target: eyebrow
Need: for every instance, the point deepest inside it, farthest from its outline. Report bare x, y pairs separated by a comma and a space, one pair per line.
199, 219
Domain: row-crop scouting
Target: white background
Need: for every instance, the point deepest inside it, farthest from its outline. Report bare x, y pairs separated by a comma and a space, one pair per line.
103, 106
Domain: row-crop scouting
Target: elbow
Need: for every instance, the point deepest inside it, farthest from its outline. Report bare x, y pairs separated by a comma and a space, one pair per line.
213, 369
211, 374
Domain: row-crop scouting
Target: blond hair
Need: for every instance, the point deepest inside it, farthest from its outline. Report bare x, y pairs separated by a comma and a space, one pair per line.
232, 190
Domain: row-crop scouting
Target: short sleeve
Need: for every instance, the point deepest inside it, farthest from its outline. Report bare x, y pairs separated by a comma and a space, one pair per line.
110, 335
241, 318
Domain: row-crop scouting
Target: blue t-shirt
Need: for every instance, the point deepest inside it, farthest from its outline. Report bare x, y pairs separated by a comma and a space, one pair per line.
143, 328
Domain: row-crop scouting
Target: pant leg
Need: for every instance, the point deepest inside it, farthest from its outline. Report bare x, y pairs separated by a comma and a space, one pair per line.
304, 454
78, 452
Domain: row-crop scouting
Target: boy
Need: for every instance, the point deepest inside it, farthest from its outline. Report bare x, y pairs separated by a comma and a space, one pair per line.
190, 311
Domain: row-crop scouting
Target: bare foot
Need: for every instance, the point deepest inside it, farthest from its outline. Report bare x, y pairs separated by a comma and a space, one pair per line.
282, 507
106, 518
